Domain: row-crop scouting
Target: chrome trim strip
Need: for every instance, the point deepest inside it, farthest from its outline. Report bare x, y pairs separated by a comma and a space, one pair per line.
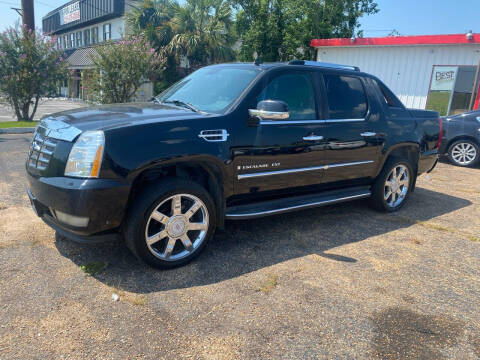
297, 207
292, 122
343, 120
289, 171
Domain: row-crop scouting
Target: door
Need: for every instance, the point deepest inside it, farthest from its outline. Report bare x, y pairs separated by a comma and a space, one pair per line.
285, 153
351, 138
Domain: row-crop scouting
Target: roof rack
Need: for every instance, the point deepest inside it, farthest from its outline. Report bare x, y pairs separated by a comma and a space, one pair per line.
324, 65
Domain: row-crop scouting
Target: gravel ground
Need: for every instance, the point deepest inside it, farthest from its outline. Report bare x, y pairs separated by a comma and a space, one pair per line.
339, 282
45, 107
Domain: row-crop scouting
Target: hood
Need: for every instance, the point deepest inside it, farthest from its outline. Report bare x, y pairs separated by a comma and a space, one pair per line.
105, 117
463, 115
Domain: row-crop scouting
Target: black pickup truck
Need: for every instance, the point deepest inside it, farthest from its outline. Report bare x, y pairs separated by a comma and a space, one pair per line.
232, 141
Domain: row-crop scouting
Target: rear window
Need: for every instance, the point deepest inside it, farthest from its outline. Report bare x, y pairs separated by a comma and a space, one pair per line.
346, 97
390, 99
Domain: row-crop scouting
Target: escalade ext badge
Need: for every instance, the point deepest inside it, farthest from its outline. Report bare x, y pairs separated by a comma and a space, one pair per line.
57, 129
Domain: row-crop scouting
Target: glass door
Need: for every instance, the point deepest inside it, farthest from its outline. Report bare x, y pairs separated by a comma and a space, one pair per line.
453, 89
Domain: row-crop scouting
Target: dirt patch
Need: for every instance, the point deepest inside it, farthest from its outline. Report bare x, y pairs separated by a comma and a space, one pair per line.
20, 225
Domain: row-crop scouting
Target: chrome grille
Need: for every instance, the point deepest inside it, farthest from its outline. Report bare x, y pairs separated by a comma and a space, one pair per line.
41, 150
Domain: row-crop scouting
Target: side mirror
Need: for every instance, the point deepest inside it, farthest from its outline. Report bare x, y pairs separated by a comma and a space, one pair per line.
269, 110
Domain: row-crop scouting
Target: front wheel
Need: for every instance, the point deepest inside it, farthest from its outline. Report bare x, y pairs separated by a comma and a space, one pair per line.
392, 187
464, 153
170, 223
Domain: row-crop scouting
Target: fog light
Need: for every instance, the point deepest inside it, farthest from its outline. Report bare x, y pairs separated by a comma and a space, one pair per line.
71, 220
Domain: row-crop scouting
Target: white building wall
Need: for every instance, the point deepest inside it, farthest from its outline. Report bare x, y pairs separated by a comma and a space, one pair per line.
405, 69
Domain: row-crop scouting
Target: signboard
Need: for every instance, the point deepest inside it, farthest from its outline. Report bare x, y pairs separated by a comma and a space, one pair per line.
444, 78
70, 13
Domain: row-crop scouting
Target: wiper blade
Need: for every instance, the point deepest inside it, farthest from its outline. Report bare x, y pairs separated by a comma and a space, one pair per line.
182, 104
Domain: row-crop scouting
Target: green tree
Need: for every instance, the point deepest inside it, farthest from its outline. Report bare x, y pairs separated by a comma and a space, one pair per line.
279, 30
203, 32
154, 21
122, 68
30, 68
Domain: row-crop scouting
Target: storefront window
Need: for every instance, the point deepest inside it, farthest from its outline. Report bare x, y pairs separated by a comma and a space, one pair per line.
95, 35
107, 32
86, 36
451, 89
79, 38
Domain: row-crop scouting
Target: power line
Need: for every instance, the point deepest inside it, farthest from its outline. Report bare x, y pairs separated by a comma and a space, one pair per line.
45, 4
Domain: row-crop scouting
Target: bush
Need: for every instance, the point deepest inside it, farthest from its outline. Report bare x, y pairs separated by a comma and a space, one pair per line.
30, 67
122, 68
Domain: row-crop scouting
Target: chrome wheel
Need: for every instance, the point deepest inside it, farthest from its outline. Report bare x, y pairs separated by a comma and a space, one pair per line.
464, 153
177, 227
396, 186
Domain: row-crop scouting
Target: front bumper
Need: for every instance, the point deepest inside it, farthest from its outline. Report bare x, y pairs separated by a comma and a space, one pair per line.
102, 201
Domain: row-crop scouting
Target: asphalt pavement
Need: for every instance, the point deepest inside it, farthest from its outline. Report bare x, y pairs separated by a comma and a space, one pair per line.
339, 282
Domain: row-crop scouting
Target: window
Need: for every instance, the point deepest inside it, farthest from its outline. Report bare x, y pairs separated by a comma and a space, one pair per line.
389, 98
212, 89
86, 36
95, 35
66, 43
79, 38
297, 91
72, 40
59, 43
107, 32
346, 97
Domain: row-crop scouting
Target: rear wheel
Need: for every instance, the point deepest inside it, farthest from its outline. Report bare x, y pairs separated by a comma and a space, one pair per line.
170, 223
464, 153
392, 187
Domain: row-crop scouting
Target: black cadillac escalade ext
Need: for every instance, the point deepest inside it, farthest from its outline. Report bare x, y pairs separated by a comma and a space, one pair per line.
233, 141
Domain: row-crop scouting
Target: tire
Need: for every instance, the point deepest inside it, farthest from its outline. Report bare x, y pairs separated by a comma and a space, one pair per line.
464, 153
177, 234
399, 190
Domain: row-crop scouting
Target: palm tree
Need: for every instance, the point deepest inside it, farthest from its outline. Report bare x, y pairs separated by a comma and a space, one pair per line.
203, 32
154, 21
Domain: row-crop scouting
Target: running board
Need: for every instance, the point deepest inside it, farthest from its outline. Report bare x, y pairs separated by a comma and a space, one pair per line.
289, 204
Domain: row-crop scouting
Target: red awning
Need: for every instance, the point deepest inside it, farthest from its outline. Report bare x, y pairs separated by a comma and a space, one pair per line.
451, 39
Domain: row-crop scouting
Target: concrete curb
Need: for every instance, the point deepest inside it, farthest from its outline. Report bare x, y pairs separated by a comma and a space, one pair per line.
24, 130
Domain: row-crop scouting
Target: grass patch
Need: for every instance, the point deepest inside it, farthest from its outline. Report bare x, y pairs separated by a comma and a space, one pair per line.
94, 267
269, 284
15, 124
139, 300
437, 227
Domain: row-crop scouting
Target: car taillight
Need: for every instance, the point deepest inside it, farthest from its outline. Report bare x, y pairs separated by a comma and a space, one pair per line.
440, 135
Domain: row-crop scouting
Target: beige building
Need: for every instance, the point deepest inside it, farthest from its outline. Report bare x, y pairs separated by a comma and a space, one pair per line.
80, 26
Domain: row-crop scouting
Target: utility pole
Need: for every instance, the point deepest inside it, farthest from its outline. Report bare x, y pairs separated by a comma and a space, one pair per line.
28, 15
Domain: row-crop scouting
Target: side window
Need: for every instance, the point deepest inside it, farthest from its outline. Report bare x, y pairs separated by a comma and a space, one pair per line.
346, 97
390, 99
297, 91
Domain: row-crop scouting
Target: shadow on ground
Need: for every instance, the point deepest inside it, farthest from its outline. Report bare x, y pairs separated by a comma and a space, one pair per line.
247, 246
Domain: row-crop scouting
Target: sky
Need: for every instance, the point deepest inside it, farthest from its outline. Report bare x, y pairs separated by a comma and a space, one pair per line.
408, 17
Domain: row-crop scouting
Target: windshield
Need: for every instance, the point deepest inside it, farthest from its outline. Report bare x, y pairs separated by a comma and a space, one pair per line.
210, 89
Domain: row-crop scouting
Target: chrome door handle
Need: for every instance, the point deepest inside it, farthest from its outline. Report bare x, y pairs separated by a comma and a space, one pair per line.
368, 134
312, 138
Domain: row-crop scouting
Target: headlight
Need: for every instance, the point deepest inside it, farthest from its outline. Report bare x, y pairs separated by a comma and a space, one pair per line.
478, 119
85, 158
